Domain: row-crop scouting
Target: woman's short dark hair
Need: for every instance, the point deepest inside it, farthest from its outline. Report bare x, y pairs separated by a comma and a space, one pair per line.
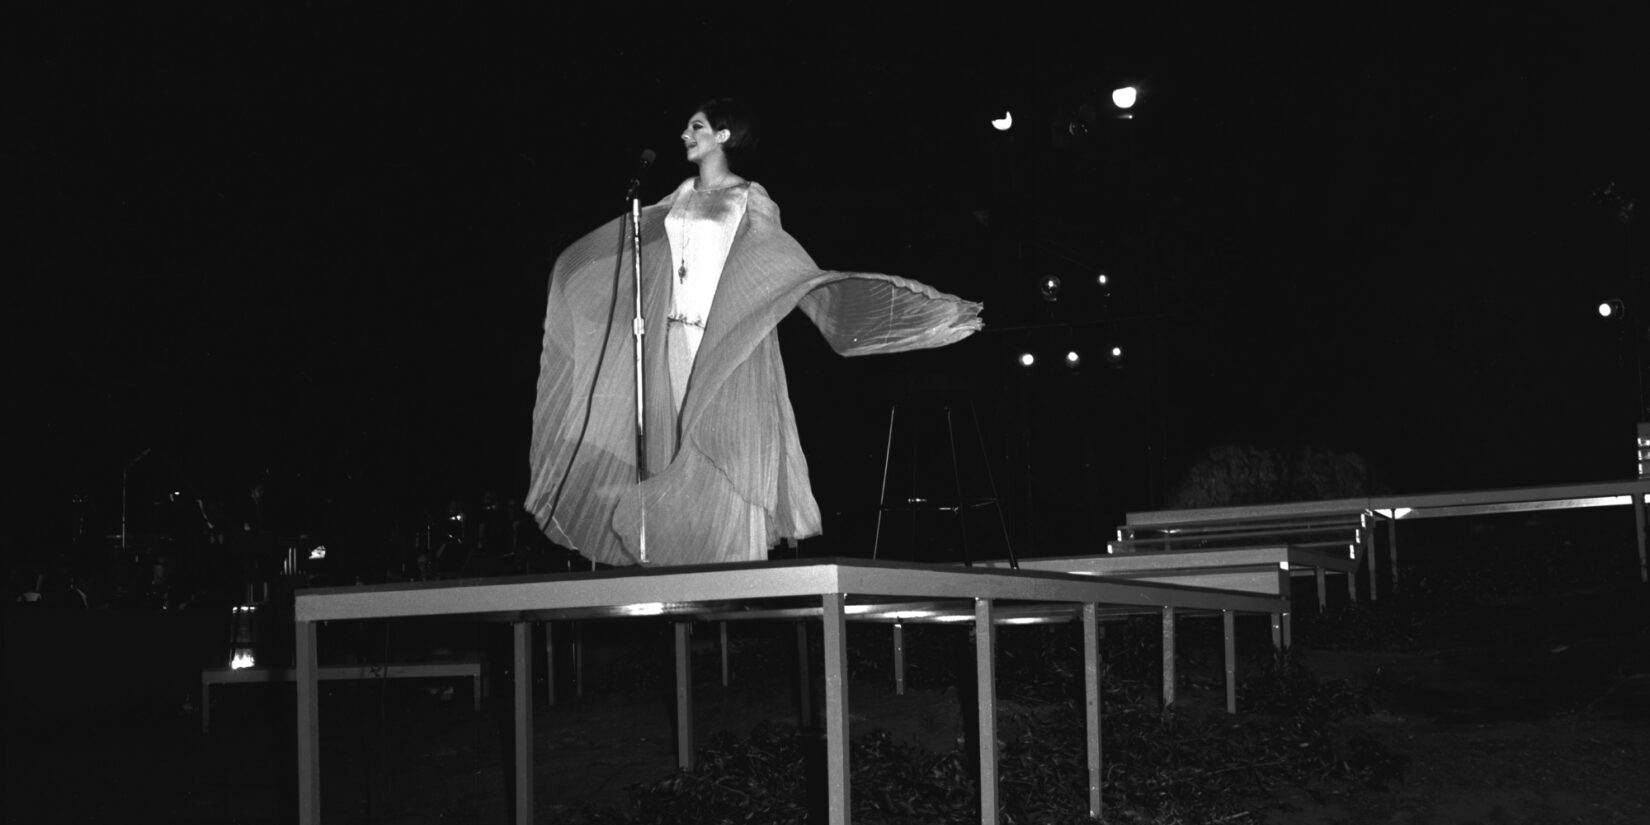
740, 121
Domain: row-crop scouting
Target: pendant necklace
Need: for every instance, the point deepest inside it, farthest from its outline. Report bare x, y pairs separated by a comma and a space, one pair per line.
687, 231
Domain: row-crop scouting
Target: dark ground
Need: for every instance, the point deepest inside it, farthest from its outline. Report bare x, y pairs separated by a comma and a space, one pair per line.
1509, 702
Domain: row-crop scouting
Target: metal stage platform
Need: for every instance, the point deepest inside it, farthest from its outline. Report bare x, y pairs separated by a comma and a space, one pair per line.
833, 591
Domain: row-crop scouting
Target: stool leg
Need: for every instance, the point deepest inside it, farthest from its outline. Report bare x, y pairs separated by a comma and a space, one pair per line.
911, 499
882, 499
956, 486
1013, 561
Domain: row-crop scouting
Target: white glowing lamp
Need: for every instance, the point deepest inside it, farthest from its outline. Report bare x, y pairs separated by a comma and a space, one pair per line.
1124, 98
1004, 123
243, 636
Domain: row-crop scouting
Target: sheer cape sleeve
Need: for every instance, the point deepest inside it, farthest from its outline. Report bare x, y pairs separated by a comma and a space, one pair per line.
735, 442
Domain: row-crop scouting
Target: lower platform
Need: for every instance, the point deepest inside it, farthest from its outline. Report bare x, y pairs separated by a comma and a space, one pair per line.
264, 675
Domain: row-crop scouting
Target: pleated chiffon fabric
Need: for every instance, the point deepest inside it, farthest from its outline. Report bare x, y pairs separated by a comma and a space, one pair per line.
734, 446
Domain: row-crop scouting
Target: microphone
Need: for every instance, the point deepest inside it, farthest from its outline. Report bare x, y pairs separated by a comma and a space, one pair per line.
642, 164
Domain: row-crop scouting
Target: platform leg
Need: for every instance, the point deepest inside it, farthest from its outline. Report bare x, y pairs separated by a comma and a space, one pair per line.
309, 728
1168, 658
206, 705
985, 665
804, 679
550, 664
578, 661
834, 620
1639, 506
1229, 629
1323, 590
684, 697
722, 635
1366, 532
1277, 631
1091, 701
523, 654
1392, 551
899, 659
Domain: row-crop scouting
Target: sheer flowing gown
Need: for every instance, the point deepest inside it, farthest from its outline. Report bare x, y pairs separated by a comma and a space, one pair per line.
727, 478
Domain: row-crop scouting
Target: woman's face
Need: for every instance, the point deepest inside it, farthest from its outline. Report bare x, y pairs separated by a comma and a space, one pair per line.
701, 140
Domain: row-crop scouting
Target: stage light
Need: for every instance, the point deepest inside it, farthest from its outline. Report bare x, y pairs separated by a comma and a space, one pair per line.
243, 636
1027, 359
1004, 123
1103, 282
1050, 287
1073, 360
1114, 355
1644, 449
320, 552
1124, 97
1611, 308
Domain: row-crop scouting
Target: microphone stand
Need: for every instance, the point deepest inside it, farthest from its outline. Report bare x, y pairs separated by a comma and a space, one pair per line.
639, 331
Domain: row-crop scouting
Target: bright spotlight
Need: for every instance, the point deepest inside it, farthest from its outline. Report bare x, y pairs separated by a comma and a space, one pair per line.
1102, 280
1004, 123
1027, 359
1610, 308
1073, 360
1050, 287
1115, 354
1124, 98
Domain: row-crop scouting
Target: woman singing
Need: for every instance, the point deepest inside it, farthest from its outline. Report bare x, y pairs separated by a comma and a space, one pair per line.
726, 477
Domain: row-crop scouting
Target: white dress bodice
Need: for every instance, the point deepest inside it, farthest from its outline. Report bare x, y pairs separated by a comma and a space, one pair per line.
700, 226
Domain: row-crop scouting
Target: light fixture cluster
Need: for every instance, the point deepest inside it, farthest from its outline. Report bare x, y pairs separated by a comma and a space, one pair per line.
1072, 357
1123, 98
1050, 288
